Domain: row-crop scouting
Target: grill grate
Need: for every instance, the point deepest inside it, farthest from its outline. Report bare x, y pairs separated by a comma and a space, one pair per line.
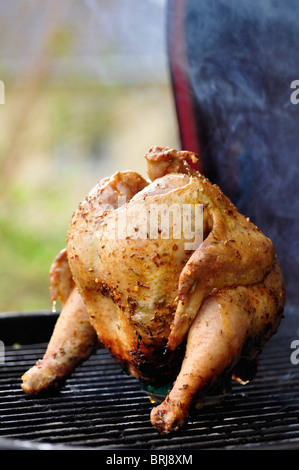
100, 407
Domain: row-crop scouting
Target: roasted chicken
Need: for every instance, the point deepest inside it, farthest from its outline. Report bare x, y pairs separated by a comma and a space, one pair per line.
171, 311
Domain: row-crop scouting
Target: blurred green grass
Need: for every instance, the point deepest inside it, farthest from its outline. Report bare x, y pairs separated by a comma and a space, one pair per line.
25, 254
52, 156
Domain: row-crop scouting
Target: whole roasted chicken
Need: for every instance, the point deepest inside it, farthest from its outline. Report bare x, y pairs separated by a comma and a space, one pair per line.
172, 310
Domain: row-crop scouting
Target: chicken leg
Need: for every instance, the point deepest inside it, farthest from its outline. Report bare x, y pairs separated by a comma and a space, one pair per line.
225, 328
72, 341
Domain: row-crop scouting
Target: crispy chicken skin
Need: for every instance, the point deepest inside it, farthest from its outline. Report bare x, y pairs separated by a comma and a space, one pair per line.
167, 314
61, 279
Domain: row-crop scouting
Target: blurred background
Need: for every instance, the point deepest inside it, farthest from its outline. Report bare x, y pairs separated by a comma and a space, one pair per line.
87, 93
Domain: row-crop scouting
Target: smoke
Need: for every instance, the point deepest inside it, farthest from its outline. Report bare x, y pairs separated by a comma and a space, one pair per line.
242, 60
131, 36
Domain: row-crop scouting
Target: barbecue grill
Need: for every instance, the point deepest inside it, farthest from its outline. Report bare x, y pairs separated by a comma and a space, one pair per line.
99, 407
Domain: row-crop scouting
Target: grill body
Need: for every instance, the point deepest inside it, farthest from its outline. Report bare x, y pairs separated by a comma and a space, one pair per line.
99, 407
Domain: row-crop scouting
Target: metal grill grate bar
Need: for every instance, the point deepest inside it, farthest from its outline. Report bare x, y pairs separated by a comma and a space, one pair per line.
102, 408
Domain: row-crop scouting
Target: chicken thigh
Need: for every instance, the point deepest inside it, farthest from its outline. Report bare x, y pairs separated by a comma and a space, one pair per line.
175, 307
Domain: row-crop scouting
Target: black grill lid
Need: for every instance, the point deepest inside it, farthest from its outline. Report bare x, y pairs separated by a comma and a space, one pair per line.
232, 65
99, 407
